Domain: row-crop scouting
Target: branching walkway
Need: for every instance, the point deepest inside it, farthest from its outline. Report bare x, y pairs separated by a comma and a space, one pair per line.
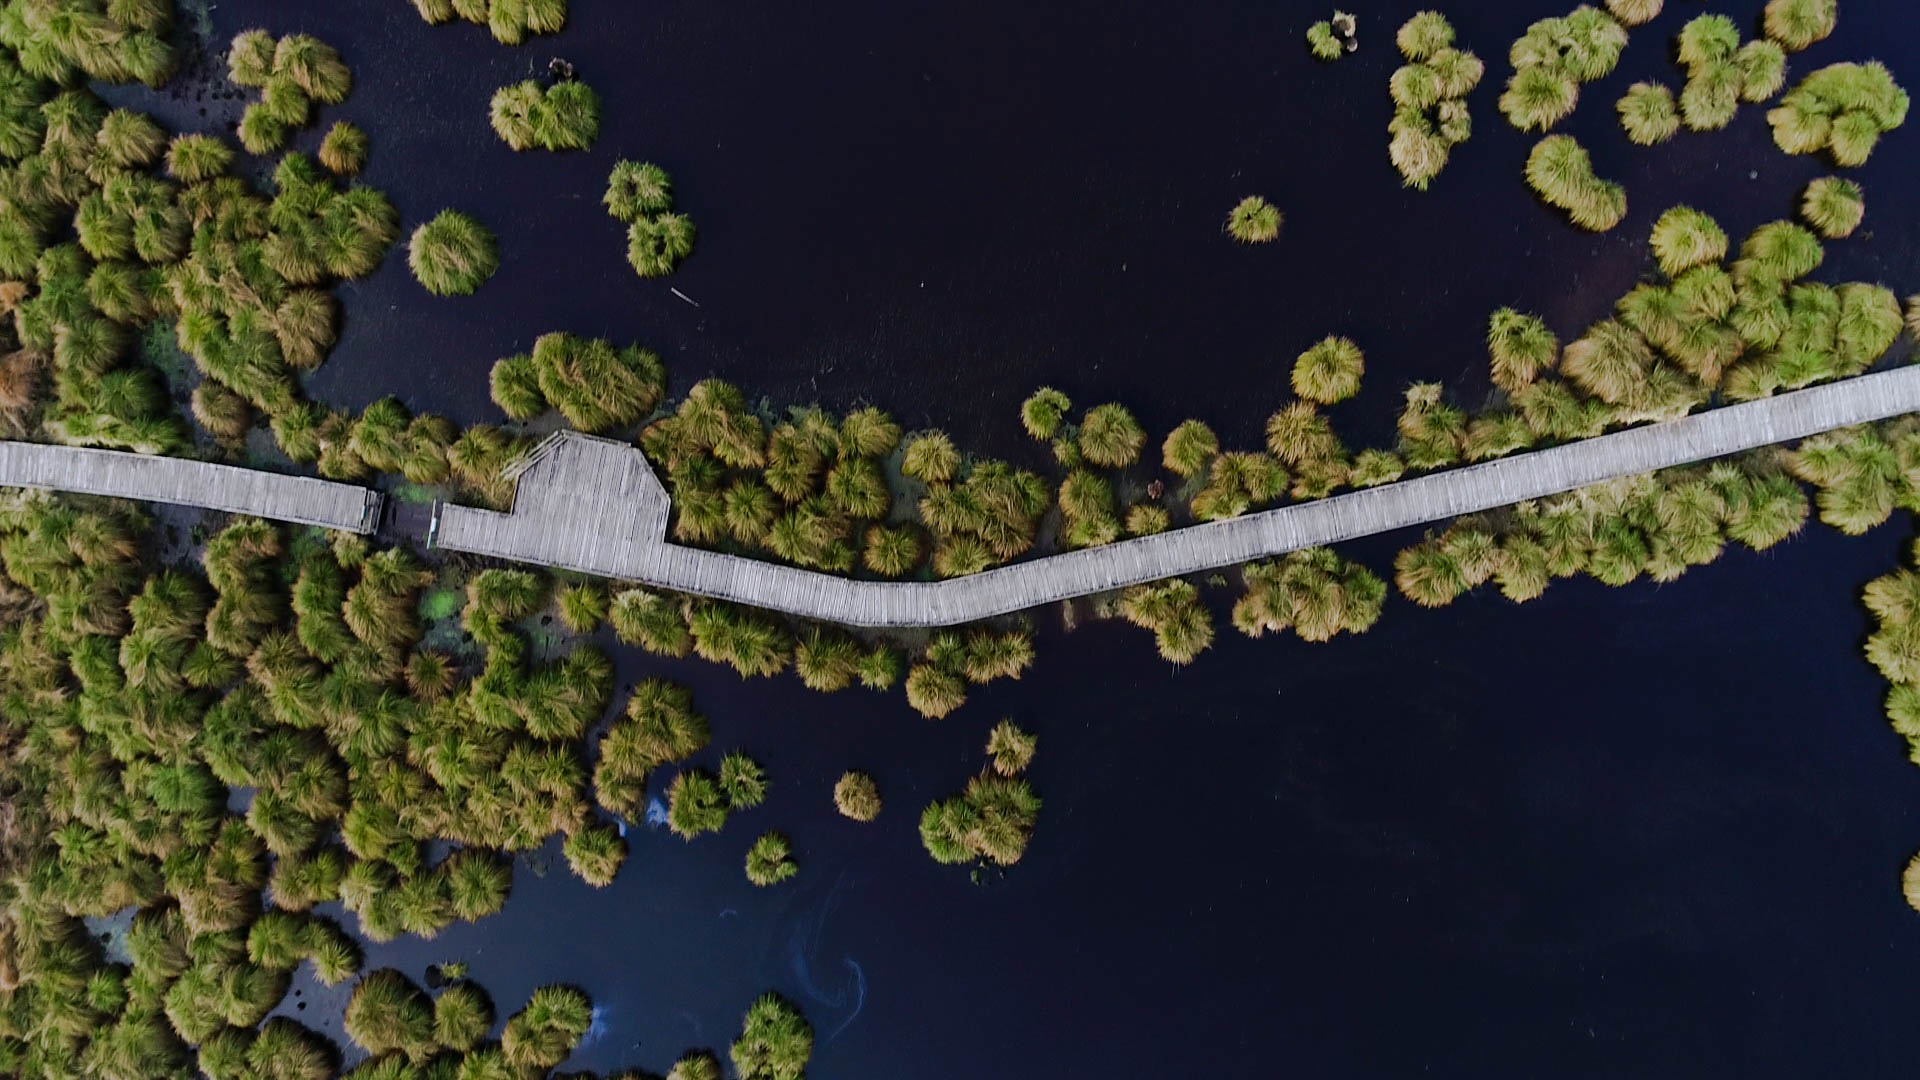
230, 488
594, 505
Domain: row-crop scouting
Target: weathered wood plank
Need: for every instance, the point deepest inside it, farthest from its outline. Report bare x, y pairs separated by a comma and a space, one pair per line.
594, 506
147, 478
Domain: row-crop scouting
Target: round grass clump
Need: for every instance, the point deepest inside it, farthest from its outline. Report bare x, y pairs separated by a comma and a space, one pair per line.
856, 796
1537, 98
1648, 114
1010, 748
546, 1031
1253, 220
1330, 371
1684, 238
1707, 39
387, 1012
1110, 437
1635, 12
595, 852
344, 149
774, 1044
314, 66
892, 551
250, 58
1561, 173
1189, 448
1322, 43
1833, 206
655, 245
770, 860
192, 158
452, 255
1520, 347
1763, 70
636, 189
1043, 411
1711, 97
462, 1016
1426, 33
1796, 24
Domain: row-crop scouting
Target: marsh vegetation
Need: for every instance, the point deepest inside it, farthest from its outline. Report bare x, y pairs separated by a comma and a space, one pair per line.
564, 115
453, 254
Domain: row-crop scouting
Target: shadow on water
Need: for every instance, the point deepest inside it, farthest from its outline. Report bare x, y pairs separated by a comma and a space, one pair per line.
1652, 831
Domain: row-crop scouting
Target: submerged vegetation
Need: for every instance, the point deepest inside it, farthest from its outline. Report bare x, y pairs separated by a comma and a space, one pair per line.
563, 116
1429, 98
452, 255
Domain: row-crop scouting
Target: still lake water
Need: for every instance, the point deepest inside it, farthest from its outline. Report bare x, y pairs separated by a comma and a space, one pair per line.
1653, 831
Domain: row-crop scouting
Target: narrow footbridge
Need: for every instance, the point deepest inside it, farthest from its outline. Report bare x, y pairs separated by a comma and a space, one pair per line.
149, 478
595, 506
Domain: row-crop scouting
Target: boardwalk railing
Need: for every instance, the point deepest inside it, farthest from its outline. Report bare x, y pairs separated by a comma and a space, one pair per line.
595, 506
299, 499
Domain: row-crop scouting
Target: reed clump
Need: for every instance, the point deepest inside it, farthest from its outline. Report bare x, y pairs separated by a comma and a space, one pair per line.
545, 1031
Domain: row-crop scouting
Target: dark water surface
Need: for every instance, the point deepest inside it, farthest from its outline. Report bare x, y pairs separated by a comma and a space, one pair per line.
1654, 831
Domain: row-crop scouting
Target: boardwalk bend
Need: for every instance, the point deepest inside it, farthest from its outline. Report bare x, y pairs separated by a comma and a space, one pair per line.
595, 506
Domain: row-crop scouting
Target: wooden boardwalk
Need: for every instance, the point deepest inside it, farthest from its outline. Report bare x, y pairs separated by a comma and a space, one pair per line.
595, 506
185, 482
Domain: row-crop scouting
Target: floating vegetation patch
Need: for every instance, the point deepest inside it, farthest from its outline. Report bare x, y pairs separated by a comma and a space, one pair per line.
1722, 73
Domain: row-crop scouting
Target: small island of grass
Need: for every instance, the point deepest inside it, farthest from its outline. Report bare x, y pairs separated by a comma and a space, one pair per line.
452, 255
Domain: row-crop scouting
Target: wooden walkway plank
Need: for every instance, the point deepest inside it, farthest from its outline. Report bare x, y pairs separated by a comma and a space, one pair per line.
594, 506
148, 478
